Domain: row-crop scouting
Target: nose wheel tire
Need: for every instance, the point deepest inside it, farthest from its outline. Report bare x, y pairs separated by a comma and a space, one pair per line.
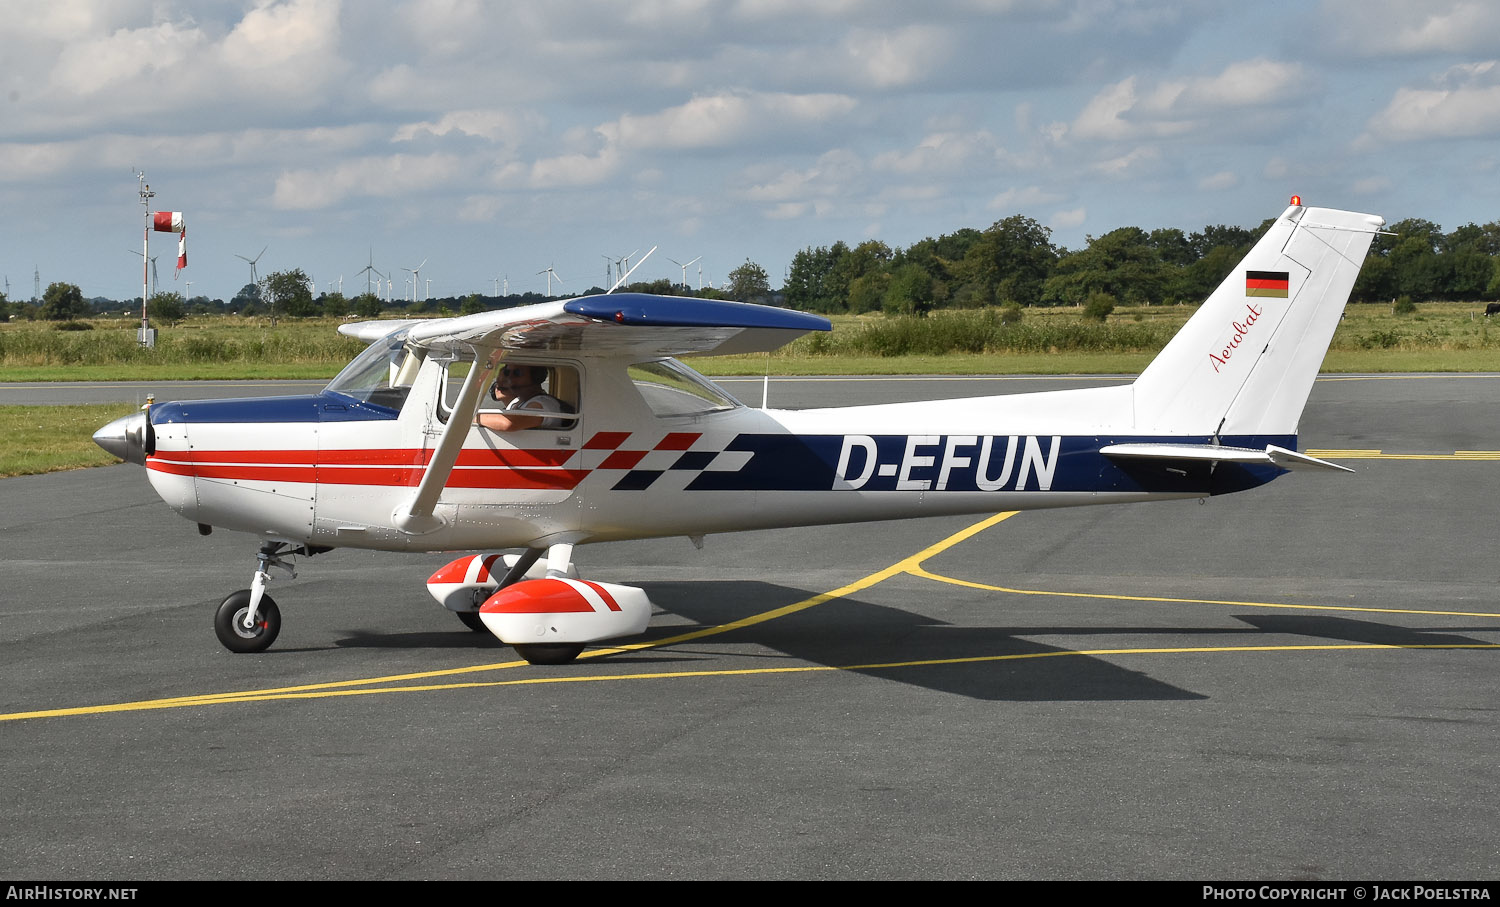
549, 653
229, 623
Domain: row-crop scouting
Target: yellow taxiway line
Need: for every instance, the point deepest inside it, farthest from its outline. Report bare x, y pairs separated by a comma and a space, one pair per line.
912, 566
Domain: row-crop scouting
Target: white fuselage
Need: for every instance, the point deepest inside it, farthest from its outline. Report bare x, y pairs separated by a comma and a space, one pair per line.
327, 471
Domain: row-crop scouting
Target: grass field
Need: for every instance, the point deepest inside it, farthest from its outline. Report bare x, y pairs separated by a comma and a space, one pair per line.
1438, 337
1371, 338
52, 438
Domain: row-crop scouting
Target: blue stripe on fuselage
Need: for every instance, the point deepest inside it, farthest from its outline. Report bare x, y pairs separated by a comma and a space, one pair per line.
323, 407
970, 463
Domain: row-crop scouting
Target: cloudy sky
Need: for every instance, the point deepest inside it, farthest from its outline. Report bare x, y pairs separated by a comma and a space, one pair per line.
496, 139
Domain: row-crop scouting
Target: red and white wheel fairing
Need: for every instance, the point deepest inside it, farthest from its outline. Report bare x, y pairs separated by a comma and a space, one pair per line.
462, 584
548, 611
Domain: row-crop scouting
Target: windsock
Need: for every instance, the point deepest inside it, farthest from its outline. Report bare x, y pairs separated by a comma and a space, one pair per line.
167, 222
171, 222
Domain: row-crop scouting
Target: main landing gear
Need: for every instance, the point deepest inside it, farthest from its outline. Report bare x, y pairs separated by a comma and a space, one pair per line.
559, 564
248, 620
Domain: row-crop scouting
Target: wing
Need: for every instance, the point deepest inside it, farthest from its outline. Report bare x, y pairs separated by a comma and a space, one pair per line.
635, 324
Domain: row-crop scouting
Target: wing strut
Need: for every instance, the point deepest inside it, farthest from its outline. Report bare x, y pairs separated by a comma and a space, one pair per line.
416, 516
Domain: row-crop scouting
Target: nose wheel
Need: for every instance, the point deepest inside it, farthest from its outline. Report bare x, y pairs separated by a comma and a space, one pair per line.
235, 635
248, 620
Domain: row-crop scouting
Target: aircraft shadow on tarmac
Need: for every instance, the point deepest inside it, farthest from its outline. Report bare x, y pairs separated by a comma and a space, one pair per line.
1361, 632
893, 643
910, 648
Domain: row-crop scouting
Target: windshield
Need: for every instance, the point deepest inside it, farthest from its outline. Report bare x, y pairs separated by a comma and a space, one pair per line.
381, 375
672, 389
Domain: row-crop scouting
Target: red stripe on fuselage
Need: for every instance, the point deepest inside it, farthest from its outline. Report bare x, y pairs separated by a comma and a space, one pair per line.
511, 469
372, 457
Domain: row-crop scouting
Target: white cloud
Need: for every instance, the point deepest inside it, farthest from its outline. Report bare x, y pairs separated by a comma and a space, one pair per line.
1021, 198
720, 120
944, 152
503, 127
1381, 28
833, 175
26, 161
1174, 107
1374, 185
896, 58
284, 48
1129, 164
1465, 104
1247, 83
1224, 179
556, 124
480, 208
86, 67
570, 171
382, 177
1067, 220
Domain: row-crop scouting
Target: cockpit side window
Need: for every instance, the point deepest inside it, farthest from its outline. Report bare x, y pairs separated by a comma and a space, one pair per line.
556, 391
672, 389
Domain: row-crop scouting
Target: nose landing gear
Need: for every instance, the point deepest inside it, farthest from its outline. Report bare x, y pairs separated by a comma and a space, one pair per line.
249, 620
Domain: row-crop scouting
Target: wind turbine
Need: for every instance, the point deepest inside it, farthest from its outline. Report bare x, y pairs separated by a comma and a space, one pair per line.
684, 269
154, 279
416, 278
621, 264
368, 270
550, 274
626, 276
253, 260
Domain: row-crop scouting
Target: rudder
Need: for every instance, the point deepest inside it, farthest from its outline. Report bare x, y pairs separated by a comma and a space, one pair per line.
1245, 362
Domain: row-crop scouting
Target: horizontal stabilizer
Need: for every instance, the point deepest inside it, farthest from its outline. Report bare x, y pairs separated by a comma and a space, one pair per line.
1272, 456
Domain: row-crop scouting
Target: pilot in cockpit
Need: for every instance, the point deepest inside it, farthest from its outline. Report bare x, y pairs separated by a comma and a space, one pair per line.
518, 388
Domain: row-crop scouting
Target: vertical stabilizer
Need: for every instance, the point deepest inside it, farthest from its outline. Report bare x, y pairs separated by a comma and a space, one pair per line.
1245, 362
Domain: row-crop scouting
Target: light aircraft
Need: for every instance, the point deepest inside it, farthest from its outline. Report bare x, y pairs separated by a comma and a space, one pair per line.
389, 456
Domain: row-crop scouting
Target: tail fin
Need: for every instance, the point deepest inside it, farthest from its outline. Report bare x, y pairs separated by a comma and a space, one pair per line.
1245, 362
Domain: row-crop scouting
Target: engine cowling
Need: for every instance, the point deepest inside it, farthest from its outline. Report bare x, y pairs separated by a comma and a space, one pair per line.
542, 612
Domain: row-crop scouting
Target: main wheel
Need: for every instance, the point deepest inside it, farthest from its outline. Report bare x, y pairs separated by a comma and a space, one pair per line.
549, 653
473, 621
229, 623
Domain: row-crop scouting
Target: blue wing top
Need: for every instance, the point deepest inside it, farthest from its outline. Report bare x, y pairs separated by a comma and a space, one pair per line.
626, 324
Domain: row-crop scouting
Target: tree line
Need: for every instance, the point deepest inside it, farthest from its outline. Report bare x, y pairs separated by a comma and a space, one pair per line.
289, 294
1012, 263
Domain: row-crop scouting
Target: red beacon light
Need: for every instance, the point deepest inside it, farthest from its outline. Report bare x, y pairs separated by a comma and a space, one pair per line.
1297, 200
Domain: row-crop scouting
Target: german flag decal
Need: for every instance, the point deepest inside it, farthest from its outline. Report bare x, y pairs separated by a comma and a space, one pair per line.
1266, 283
